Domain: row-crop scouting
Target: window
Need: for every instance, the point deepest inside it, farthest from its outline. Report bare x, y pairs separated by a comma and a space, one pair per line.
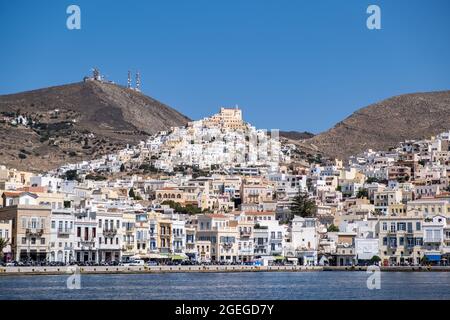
42, 240
53, 224
410, 227
99, 223
392, 226
93, 232
384, 241
79, 232
419, 241
117, 224
418, 226
410, 242
392, 242
33, 240
34, 223
24, 240
384, 226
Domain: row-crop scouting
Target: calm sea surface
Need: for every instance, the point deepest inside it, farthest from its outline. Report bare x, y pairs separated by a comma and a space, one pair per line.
229, 286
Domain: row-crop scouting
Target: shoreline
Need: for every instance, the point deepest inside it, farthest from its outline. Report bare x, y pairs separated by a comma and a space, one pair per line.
14, 271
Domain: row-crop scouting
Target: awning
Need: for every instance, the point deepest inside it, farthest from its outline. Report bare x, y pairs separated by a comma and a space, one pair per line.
180, 256
157, 256
433, 257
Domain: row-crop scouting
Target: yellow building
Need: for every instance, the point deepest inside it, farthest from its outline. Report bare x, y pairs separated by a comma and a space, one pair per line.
230, 118
165, 236
30, 234
222, 232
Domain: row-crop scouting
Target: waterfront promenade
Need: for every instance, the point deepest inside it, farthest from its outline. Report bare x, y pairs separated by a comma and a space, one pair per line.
5, 271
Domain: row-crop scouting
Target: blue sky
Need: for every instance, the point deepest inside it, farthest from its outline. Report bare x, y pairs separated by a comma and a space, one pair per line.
292, 65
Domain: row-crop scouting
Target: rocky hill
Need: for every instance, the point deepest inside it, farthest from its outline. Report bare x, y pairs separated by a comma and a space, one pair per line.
42, 129
296, 135
385, 124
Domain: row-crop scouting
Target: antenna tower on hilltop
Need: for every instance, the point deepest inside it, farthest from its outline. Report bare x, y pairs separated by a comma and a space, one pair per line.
138, 81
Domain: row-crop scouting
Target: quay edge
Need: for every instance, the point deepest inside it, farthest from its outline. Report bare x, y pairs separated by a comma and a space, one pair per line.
10, 271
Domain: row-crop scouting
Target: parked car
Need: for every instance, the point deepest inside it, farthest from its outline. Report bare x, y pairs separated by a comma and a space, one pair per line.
137, 263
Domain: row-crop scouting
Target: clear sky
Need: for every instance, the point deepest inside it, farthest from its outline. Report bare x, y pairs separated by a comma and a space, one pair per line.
292, 65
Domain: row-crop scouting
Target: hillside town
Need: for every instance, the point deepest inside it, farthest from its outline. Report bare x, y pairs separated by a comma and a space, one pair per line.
220, 191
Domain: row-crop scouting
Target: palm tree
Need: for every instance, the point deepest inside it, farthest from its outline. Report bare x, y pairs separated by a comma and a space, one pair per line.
3, 244
303, 206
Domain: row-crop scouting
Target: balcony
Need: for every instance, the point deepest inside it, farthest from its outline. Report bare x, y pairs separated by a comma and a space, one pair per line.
432, 240
80, 215
64, 232
245, 234
227, 245
33, 232
109, 233
87, 243
127, 247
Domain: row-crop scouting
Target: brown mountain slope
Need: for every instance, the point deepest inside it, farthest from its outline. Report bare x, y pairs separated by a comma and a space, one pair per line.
385, 124
76, 122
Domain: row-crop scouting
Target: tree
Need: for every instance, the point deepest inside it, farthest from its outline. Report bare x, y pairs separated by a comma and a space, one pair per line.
71, 175
333, 228
178, 208
131, 193
375, 260
372, 180
3, 244
303, 206
424, 260
362, 193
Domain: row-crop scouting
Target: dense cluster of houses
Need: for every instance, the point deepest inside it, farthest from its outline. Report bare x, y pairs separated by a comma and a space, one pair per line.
389, 207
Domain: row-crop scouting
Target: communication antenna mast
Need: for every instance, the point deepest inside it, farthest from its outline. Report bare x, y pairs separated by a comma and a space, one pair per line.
138, 81
96, 74
129, 80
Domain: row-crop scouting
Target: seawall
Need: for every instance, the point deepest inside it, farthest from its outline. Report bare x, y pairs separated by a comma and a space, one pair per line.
4, 271
9, 271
